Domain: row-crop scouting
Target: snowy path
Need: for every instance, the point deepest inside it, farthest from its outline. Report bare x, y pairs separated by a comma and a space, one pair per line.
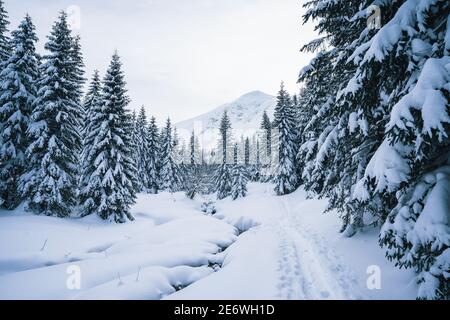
308, 267
279, 257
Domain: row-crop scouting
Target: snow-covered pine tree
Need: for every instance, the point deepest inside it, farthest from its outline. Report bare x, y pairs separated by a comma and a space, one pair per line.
285, 177
50, 181
333, 151
134, 143
255, 159
18, 93
408, 176
109, 170
153, 156
183, 170
91, 99
77, 72
170, 176
92, 105
239, 182
192, 156
143, 151
266, 127
223, 173
5, 45
247, 152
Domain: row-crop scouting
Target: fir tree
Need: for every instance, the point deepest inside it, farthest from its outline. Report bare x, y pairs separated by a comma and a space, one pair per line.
17, 97
406, 181
285, 177
49, 184
170, 177
266, 126
134, 143
77, 72
223, 173
142, 158
239, 182
247, 152
109, 173
192, 155
153, 156
91, 100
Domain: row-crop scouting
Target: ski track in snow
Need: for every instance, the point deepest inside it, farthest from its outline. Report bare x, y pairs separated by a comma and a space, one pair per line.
308, 268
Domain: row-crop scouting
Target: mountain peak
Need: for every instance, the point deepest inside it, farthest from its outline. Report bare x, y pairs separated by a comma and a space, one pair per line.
254, 96
245, 115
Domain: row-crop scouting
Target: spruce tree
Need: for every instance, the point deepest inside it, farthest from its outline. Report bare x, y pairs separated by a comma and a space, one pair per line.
406, 182
285, 176
92, 106
247, 152
18, 94
91, 100
266, 126
239, 182
170, 177
77, 72
223, 173
192, 155
153, 156
142, 158
49, 183
109, 173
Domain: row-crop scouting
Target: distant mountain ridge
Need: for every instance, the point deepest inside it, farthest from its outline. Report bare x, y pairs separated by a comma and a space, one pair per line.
245, 115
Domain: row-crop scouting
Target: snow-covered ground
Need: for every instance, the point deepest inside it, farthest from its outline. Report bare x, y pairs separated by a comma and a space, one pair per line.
259, 247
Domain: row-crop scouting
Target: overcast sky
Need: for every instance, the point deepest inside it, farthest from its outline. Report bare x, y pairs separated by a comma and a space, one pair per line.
185, 57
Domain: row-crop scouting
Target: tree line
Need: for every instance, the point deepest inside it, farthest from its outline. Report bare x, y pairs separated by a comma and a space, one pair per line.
371, 130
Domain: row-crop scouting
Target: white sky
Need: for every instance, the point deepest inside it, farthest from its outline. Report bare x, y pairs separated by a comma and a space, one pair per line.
184, 57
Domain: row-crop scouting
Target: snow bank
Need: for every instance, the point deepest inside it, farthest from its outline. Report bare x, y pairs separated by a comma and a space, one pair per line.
169, 245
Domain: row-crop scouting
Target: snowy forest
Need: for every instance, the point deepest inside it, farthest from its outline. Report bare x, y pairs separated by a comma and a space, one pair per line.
367, 134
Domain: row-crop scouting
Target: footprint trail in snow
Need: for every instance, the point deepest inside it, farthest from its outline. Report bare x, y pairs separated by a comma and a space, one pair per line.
308, 268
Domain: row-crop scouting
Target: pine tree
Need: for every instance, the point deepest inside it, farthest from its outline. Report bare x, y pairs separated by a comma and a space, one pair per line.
266, 126
5, 45
235, 154
91, 100
153, 156
18, 94
406, 182
49, 184
134, 143
223, 173
247, 152
285, 176
170, 177
77, 72
192, 156
109, 173
92, 104
142, 158
239, 182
